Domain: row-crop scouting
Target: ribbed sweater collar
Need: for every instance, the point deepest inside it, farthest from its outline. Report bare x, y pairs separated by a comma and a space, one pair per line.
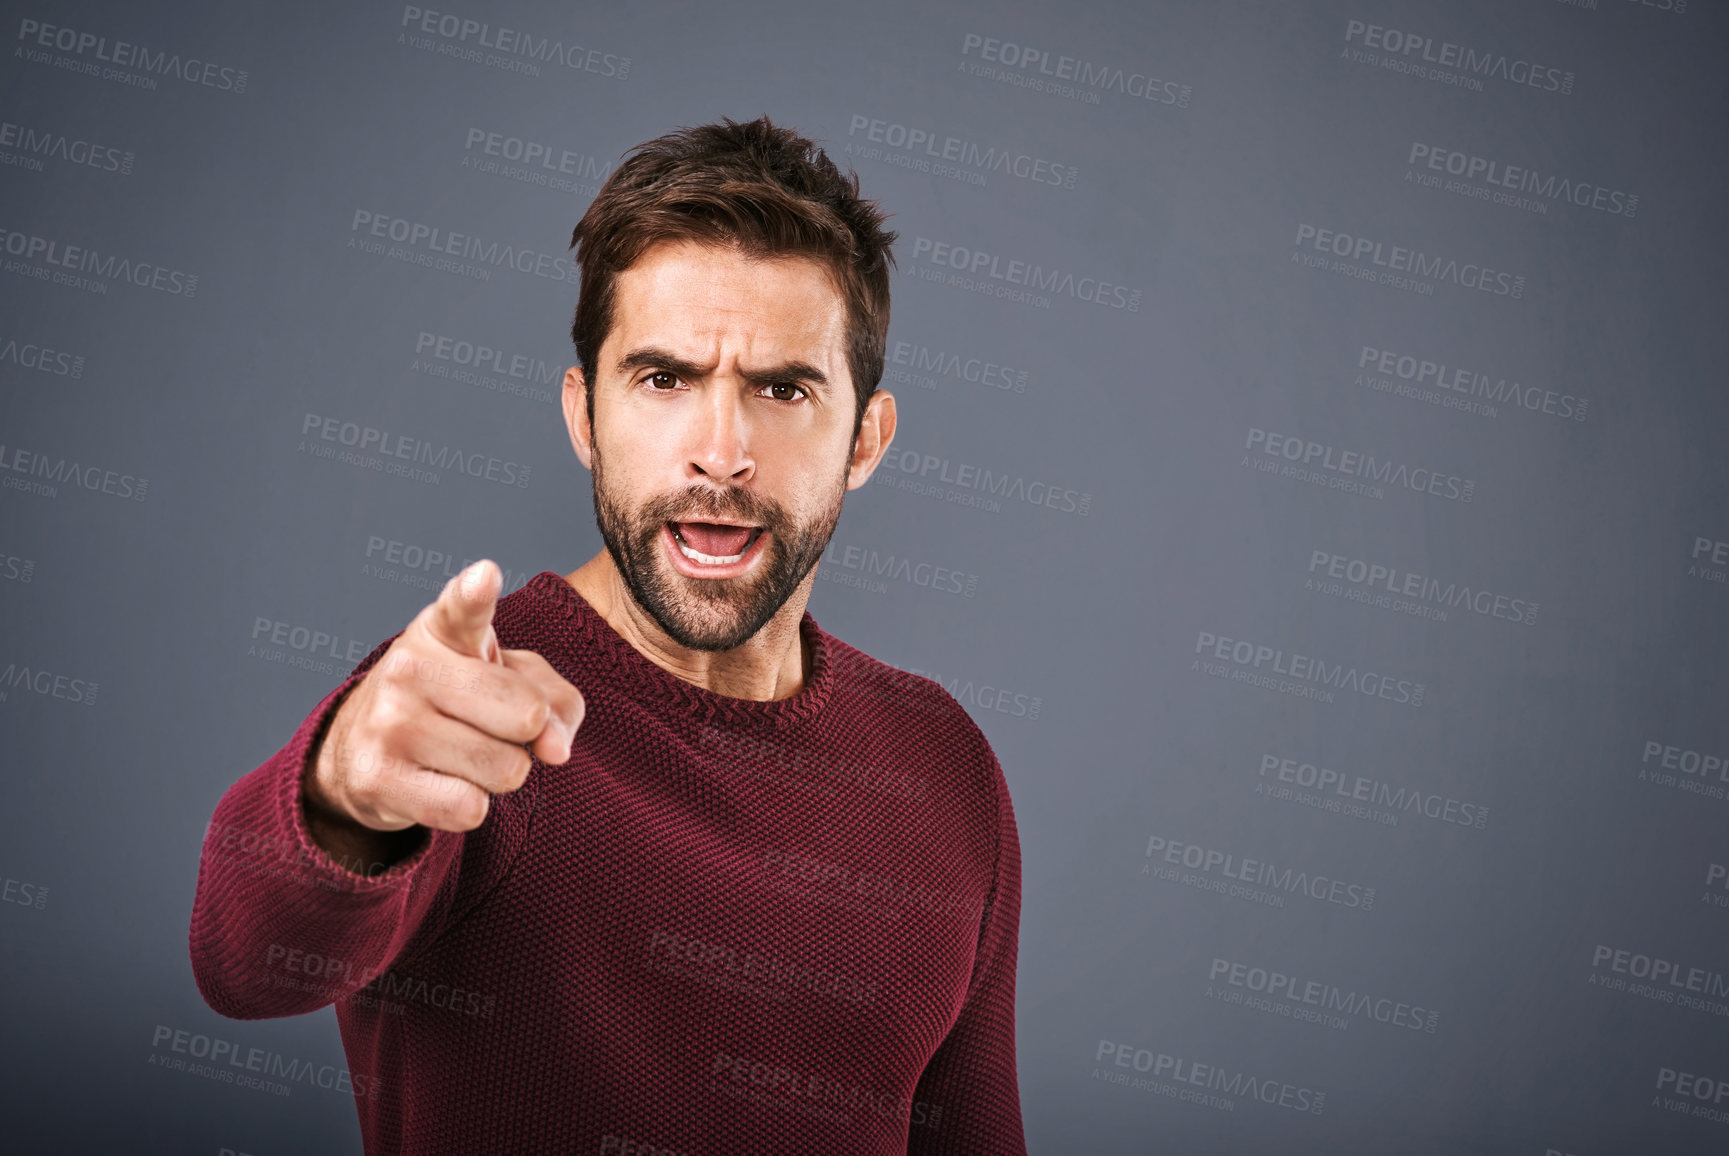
642, 679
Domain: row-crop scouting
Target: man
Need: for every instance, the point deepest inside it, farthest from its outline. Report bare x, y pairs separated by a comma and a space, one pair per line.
639, 859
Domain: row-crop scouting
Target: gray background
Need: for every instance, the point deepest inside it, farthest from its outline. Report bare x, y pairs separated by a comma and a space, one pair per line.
1076, 649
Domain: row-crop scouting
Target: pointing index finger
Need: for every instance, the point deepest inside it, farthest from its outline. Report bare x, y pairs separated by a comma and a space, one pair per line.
461, 618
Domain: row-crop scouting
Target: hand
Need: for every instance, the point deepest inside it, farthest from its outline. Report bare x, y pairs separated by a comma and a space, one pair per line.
444, 720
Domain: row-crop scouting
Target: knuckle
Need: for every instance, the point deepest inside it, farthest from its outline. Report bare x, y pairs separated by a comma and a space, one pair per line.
362, 781
390, 712
533, 716
517, 763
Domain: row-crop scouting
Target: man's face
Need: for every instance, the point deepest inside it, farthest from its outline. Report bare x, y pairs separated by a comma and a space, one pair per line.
721, 451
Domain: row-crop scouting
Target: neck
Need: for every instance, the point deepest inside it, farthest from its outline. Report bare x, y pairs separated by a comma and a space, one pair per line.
772, 664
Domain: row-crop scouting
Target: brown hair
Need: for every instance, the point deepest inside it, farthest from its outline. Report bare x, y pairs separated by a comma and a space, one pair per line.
763, 189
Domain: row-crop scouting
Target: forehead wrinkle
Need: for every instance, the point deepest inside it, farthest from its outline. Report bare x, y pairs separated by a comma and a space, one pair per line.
801, 349
680, 303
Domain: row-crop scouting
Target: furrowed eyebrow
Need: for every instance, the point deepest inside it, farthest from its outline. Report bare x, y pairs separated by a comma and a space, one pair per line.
789, 372
649, 357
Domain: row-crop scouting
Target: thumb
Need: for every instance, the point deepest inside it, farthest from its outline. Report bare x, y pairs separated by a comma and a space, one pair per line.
461, 618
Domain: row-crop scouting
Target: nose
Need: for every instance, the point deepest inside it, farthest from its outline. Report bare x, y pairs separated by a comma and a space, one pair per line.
719, 446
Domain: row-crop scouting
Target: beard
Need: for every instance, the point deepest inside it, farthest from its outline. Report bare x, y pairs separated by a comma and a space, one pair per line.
711, 614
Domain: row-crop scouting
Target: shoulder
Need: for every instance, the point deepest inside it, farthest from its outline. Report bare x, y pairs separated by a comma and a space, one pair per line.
930, 729
903, 703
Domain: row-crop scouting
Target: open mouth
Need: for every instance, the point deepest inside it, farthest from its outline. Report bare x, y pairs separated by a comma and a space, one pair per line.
713, 544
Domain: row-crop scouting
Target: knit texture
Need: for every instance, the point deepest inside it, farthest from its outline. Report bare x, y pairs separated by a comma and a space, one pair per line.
723, 927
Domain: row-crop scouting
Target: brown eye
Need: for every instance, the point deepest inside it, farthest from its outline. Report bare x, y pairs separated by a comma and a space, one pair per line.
663, 378
798, 391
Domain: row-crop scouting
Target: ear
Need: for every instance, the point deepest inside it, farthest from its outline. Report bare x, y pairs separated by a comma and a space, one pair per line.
575, 402
875, 433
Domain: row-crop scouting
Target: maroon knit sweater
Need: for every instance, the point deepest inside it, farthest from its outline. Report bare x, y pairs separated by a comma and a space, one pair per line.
724, 926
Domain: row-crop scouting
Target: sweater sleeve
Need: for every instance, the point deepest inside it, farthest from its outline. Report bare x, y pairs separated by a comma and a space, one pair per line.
279, 927
968, 1101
